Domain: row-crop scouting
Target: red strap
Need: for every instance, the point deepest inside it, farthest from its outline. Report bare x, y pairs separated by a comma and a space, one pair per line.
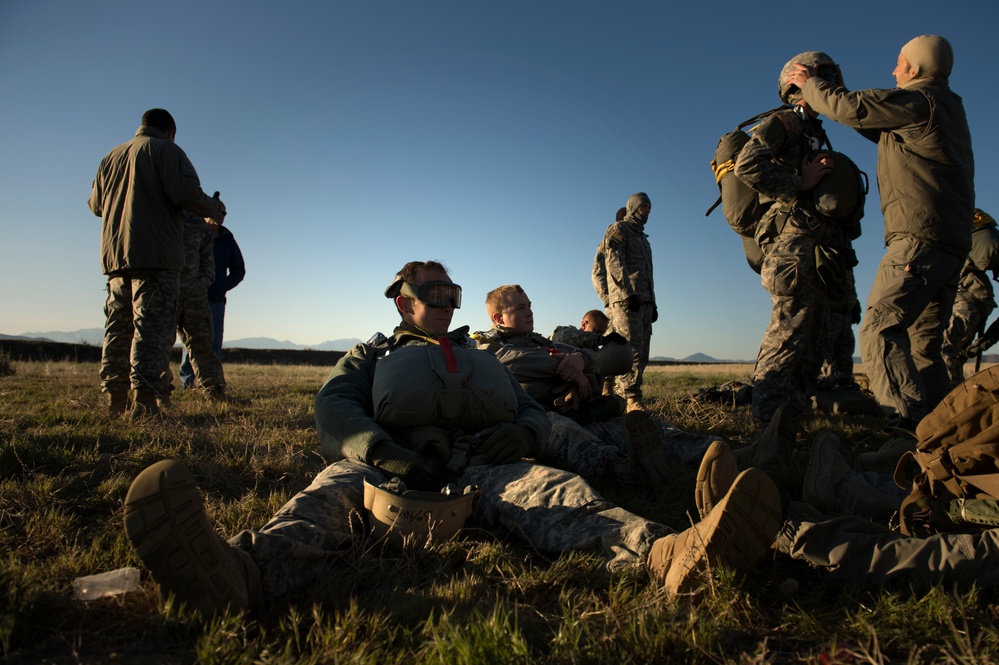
452, 362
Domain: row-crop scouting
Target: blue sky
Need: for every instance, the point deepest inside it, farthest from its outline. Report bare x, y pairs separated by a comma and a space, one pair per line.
499, 138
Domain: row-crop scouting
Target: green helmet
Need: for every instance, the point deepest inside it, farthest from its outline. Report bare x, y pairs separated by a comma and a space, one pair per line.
822, 66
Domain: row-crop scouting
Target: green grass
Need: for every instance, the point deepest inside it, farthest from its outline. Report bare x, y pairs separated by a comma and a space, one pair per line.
65, 469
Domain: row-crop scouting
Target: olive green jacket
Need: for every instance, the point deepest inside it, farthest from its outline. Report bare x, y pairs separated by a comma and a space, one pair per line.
926, 168
140, 192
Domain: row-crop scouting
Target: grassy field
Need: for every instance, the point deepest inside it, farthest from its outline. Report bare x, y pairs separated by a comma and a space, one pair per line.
65, 469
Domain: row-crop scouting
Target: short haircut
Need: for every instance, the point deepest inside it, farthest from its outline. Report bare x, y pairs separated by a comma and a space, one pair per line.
621, 212
410, 271
596, 315
495, 298
159, 119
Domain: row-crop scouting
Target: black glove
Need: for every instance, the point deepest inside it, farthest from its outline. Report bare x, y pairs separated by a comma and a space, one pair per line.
633, 303
401, 462
509, 443
612, 338
855, 313
976, 347
655, 314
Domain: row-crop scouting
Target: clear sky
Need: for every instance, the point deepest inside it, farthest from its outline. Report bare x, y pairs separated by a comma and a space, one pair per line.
347, 138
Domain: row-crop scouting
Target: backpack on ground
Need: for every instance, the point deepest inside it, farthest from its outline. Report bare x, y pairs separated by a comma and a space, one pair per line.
956, 489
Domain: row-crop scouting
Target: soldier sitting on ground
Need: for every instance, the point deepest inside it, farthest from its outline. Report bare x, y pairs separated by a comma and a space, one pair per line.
422, 408
593, 439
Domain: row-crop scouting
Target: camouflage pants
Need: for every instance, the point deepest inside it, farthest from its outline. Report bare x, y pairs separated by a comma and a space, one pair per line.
140, 328
840, 345
858, 551
902, 333
636, 327
600, 449
967, 318
551, 510
790, 356
197, 334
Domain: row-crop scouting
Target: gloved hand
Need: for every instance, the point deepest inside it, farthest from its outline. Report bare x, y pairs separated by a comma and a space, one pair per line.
508, 444
655, 314
612, 338
399, 461
976, 347
633, 303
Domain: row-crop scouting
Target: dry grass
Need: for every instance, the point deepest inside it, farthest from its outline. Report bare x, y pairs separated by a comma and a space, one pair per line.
65, 468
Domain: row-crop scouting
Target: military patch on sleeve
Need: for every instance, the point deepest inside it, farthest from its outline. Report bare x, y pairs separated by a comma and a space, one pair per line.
614, 234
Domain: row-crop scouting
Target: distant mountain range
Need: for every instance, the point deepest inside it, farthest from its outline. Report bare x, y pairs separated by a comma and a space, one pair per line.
95, 337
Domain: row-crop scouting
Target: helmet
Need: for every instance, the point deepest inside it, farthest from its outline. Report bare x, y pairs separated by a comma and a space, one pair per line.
822, 64
398, 515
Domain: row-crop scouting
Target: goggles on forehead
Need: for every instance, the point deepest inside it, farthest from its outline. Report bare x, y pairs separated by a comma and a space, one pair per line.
435, 294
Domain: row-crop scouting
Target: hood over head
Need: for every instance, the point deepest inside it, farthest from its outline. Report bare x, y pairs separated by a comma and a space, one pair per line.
930, 56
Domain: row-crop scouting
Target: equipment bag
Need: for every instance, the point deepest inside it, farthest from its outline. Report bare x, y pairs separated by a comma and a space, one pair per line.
740, 203
842, 193
957, 450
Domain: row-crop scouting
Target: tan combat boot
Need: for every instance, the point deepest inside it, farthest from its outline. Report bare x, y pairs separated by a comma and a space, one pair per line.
736, 533
117, 403
166, 523
715, 476
146, 405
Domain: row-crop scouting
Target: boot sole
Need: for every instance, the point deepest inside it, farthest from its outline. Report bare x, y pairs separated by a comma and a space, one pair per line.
736, 534
166, 523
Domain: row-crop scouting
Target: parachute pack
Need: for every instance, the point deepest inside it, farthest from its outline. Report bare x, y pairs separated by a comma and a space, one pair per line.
839, 196
957, 450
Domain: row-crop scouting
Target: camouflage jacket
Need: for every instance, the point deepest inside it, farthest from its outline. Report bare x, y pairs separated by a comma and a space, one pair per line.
975, 284
573, 336
770, 163
199, 255
622, 266
531, 359
345, 408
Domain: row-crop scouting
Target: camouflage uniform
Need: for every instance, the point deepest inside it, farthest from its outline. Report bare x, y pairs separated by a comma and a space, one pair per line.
140, 191
573, 336
552, 510
533, 360
593, 449
844, 313
600, 449
790, 358
926, 179
139, 330
622, 269
975, 297
194, 316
